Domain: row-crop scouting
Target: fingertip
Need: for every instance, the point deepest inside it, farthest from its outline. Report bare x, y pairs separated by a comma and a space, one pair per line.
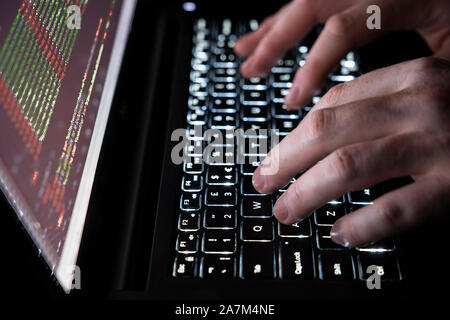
258, 181
338, 235
245, 68
249, 70
291, 99
239, 47
280, 210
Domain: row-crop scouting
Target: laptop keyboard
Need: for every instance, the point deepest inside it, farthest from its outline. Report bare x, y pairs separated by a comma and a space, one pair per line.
225, 228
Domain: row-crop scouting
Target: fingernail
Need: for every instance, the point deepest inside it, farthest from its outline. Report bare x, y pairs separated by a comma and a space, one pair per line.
280, 210
337, 237
258, 180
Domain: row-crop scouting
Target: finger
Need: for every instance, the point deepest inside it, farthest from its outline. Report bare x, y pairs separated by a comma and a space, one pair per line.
343, 32
325, 130
394, 212
294, 22
355, 167
384, 81
246, 44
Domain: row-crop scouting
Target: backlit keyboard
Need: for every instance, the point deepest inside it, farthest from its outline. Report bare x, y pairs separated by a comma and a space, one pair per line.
225, 228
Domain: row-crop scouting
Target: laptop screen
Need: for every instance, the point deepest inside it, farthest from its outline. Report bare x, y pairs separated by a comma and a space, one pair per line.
59, 62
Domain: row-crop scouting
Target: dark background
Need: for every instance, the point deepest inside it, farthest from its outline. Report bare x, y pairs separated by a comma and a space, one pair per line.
118, 184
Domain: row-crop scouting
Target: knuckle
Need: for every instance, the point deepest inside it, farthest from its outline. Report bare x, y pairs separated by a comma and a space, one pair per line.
344, 163
339, 24
426, 64
320, 122
333, 95
433, 100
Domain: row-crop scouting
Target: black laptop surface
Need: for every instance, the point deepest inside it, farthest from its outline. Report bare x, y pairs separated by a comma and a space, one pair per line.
107, 108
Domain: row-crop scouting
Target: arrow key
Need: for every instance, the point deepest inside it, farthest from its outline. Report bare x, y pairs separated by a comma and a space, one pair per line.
218, 267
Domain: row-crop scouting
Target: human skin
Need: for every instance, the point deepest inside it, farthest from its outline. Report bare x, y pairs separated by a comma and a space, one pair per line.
392, 122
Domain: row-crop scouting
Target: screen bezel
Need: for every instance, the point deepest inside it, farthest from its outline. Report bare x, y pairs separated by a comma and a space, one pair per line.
65, 269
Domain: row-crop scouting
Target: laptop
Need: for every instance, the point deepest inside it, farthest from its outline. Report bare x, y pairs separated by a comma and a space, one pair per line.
128, 143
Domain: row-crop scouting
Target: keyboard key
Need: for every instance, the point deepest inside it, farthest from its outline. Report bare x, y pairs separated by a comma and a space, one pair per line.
336, 265
200, 63
337, 201
296, 259
190, 201
257, 230
193, 165
247, 186
200, 58
220, 155
197, 117
256, 206
255, 129
251, 25
285, 126
256, 146
300, 229
221, 195
386, 265
192, 182
225, 74
283, 80
189, 221
225, 60
257, 261
254, 97
288, 61
199, 88
218, 267
194, 132
224, 104
199, 75
224, 89
201, 49
197, 103
185, 266
194, 148
220, 218
324, 241
187, 242
280, 111
254, 83
279, 94
365, 196
251, 163
379, 246
220, 137
254, 113
328, 214
223, 121
221, 175
219, 242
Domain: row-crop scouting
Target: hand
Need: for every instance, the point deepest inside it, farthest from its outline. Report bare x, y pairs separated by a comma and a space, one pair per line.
345, 29
389, 123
